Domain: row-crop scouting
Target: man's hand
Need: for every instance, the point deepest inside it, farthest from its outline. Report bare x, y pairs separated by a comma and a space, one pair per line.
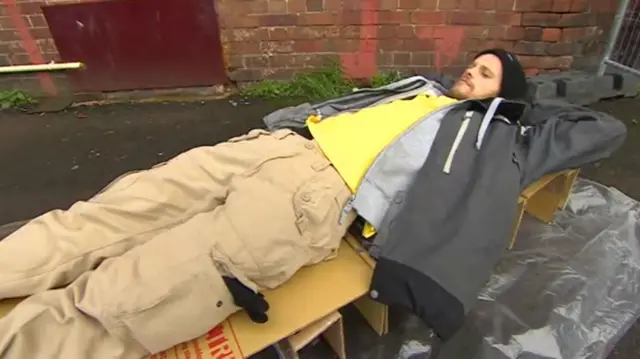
254, 303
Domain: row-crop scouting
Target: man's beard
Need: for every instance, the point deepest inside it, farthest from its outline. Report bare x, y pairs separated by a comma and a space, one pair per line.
455, 94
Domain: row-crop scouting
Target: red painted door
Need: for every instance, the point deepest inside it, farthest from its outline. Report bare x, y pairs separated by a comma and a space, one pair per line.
139, 44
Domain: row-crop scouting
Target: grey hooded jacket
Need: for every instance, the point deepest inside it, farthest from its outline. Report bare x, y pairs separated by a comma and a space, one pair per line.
443, 194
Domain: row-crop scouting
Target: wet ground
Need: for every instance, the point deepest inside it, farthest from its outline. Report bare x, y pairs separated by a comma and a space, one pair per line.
52, 160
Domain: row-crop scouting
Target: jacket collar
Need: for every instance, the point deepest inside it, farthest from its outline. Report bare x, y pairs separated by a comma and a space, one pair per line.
513, 110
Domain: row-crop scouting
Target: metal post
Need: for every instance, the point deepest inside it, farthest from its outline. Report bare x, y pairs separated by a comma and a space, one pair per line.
41, 67
613, 36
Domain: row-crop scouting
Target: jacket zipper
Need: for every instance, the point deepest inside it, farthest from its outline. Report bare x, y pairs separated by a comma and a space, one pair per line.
456, 142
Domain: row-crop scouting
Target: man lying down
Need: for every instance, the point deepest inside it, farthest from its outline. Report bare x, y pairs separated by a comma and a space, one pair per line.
160, 256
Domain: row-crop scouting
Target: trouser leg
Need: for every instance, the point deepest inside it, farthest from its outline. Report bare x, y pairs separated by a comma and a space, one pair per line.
275, 219
49, 326
161, 293
55, 248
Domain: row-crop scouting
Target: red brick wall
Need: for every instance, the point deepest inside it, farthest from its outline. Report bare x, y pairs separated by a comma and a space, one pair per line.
25, 39
276, 38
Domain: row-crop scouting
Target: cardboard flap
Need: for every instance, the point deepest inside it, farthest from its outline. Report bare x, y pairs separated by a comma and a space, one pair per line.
311, 294
538, 185
568, 177
302, 338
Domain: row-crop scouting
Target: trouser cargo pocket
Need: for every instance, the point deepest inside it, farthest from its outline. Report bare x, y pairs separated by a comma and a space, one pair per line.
172, 309
318, 205
164, 292
175, 308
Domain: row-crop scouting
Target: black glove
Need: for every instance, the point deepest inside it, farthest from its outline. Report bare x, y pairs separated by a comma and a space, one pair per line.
254, 303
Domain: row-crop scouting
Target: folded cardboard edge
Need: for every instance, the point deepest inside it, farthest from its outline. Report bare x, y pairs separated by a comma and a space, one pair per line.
546, 200
332, 330
375, 313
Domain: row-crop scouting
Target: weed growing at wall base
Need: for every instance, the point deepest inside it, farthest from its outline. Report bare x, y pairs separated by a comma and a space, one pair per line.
14, 99
318, 85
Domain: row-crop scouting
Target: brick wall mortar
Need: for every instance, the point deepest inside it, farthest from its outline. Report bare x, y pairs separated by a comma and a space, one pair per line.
277, 38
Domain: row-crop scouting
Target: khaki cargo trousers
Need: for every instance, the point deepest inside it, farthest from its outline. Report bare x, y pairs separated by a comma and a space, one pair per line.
137, 268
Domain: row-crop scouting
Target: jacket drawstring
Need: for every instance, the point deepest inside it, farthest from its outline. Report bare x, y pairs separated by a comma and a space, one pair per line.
486, 120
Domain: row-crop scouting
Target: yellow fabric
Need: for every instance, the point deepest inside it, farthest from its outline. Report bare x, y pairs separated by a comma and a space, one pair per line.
369, 230
351, 141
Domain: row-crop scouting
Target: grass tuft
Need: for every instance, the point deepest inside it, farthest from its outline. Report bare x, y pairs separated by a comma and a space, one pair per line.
318, 85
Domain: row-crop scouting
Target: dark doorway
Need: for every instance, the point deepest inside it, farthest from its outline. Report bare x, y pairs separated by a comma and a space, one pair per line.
139, 44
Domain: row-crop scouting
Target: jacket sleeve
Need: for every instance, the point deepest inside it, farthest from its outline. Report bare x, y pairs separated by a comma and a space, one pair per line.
288, 117
295, 117
445, 80
561, 136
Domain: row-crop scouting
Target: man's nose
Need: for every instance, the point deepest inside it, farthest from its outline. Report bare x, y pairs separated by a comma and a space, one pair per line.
469, 72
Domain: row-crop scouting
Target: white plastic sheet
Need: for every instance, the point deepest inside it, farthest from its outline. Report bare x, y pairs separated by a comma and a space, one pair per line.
569, 290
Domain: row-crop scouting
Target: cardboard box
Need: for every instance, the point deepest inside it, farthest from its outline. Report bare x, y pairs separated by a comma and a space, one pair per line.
330, 327
222, 343
306, 306
544, 197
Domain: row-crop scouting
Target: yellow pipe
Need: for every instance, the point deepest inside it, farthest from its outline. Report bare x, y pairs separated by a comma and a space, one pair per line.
41, 67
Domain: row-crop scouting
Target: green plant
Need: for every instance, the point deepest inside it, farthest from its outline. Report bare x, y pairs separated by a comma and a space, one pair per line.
385, 78
14, 99
324, 83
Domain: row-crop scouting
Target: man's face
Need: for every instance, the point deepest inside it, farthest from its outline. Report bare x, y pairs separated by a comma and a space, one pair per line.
480, 80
